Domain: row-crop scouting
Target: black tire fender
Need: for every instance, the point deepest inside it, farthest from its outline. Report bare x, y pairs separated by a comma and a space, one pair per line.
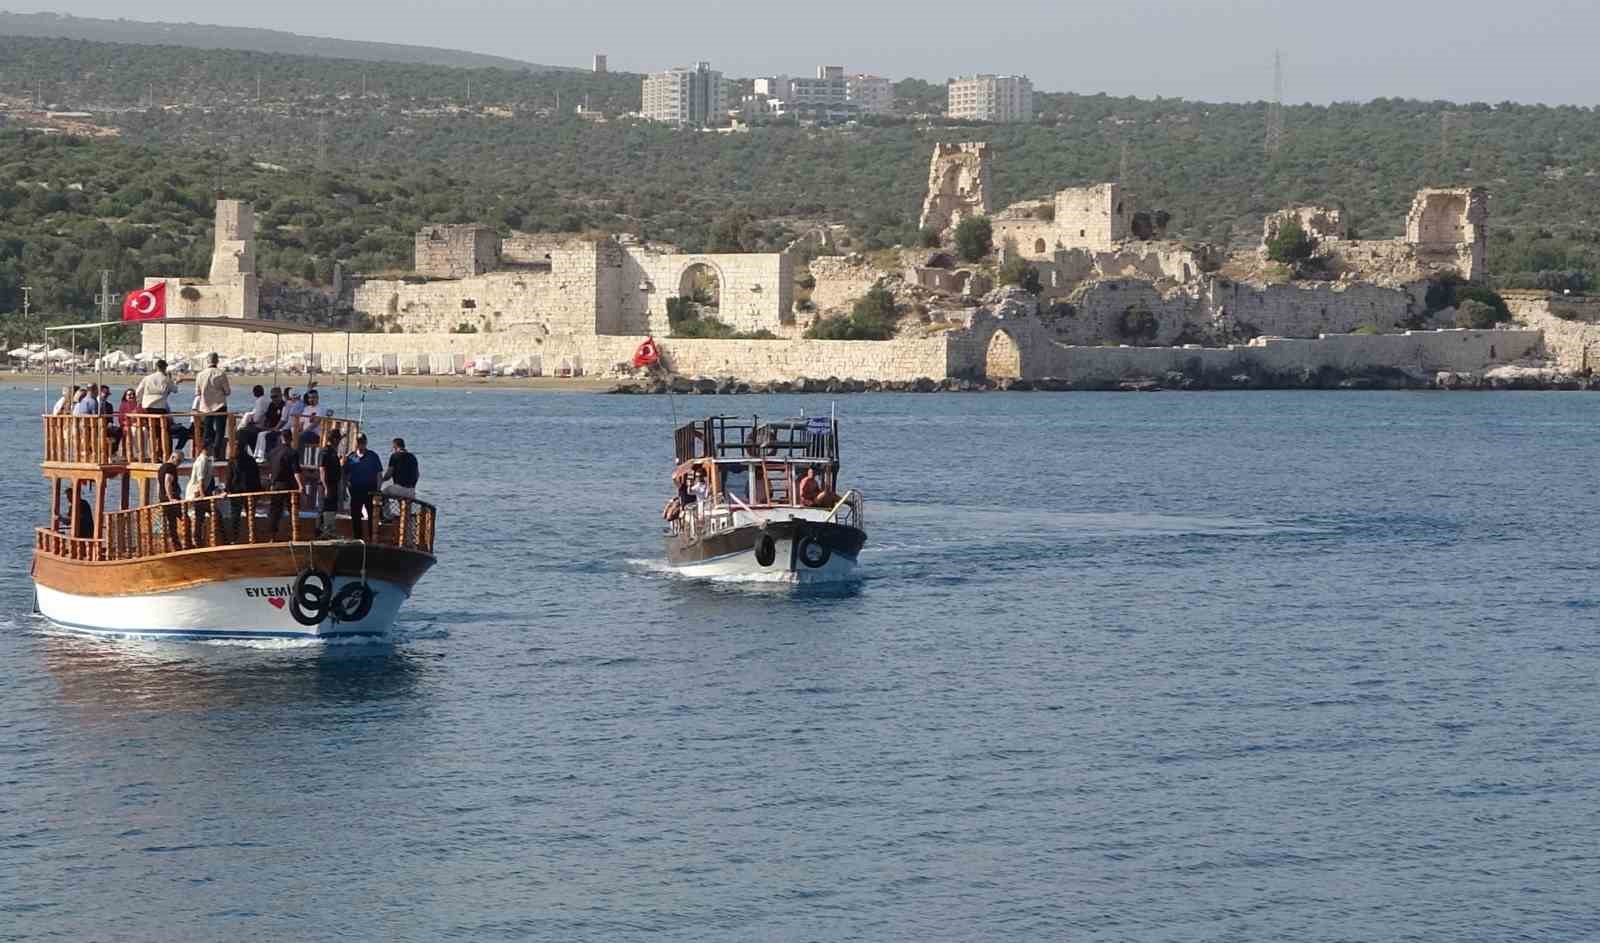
310, 597
353, 603
813, 552
766, 550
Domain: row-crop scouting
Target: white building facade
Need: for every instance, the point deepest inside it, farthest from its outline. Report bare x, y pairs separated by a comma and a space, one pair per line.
870, 94
688, 98
998, 98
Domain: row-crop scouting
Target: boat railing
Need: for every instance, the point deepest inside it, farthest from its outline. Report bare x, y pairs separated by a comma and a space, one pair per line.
260, 517
145, 438
850, 511
57, 544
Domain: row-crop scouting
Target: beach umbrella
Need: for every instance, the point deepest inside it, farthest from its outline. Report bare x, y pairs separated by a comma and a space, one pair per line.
19, 352
59, 353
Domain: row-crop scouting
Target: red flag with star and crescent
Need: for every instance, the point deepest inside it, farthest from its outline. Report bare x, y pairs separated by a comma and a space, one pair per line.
146, 304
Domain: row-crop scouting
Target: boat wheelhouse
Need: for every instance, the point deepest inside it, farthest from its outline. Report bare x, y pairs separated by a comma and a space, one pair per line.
115, 560
759, 500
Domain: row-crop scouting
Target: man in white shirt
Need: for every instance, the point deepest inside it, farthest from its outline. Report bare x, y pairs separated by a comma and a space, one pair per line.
199, 486
69, 399
153, 391
212, 389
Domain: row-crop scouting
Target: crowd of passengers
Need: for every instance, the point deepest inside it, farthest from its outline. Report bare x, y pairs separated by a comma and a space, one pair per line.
278, 447
695, 488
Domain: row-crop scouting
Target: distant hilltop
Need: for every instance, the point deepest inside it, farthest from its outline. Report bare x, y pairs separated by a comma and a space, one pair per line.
202, 36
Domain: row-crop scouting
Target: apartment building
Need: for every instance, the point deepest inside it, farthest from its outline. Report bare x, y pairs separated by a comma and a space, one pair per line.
688, 98
998, 98
870, 94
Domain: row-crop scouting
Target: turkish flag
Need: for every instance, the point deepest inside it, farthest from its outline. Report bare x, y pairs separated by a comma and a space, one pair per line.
647, 354
146, 304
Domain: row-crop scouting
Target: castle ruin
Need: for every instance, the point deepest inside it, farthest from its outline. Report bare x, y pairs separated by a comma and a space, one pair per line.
958, 186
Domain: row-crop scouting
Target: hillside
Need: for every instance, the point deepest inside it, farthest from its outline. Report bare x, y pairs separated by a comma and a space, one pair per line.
203, 36
412, 150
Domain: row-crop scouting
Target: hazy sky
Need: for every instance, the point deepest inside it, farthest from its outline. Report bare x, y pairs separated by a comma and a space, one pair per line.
1334, 50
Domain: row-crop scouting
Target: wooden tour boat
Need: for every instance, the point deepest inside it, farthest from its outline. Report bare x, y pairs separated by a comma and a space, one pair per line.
755, 517
115, 561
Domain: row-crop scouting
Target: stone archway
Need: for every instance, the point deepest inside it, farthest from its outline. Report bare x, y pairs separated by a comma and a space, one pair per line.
701, 282
1003, 359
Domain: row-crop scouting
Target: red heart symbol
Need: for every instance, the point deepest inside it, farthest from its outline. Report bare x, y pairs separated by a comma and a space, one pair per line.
277, 601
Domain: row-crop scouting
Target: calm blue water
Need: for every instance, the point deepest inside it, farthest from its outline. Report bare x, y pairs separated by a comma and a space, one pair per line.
1268, 666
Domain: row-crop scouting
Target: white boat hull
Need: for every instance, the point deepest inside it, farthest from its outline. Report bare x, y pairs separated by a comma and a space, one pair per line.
743, 566
245, 608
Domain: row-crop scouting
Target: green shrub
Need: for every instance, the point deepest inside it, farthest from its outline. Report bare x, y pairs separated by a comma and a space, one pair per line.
871, 319
974, 238
679, 309
1291, 244
930, 238
1476, 315
1017, 271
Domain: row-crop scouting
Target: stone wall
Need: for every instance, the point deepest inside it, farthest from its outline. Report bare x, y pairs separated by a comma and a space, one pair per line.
1573, 340
1026, 350
757, 289
1034, 238
192, 298
456, 251
559, 299
840, 281
1305, 309
232, 247
1319, 222
1447, 228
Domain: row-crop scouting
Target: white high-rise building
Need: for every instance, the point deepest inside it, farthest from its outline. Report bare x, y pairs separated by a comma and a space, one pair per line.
999, 98
688, 98
871, 94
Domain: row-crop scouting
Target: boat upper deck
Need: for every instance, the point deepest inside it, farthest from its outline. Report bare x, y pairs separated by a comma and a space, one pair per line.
744, 439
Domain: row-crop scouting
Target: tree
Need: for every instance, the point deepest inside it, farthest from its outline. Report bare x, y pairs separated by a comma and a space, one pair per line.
1291, 244
1476, 315
870, 319
974, 238
1017, 271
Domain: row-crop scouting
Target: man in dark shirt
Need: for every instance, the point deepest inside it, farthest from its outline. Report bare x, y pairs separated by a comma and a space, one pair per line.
400, 480
168, 493
244, 475
283, 471
332, 472
363, 470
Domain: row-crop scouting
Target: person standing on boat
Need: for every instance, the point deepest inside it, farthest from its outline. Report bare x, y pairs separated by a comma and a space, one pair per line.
400, 478
63, 406
213, 389
331, 471
153, 392
284, 475
201, 483
169, 495
363, 470
244, 475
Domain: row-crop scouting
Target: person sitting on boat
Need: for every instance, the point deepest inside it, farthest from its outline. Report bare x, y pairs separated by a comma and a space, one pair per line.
69, 398
684, 497
811, 488
87, 403
700, 487
400, 478
108, 410
309, 422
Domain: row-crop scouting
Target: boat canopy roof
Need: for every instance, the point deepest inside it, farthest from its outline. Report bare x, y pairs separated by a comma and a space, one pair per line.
743, 438
248, 325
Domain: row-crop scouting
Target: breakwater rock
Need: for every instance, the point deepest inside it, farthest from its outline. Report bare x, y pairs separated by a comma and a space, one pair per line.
1499, 378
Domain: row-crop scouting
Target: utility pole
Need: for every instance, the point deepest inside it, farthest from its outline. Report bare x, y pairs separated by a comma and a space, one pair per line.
1122, 167
104, 299
258, 86
1275, 109
26, 291
322, 143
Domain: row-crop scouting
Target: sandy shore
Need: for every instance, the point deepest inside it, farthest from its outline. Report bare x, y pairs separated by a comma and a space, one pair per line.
117, 381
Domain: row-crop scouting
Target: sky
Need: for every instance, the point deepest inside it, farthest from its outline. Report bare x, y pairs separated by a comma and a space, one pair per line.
1209, 50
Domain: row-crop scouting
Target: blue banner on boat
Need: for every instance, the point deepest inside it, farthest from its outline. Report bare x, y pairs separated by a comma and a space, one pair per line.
819, 425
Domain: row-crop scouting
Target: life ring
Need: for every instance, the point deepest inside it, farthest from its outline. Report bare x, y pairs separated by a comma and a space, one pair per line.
353, 603
310, 597
813, 552
766, 550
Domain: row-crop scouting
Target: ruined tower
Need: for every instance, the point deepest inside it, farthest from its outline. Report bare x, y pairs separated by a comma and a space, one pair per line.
1447, 227
958, 185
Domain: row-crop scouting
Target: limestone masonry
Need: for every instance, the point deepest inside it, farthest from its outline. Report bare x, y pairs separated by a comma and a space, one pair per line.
1115, 298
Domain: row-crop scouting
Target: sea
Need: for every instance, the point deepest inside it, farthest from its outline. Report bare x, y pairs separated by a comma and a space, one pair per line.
1156, 667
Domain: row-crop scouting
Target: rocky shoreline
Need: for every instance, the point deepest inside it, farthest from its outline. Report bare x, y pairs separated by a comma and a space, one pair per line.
1499, 378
